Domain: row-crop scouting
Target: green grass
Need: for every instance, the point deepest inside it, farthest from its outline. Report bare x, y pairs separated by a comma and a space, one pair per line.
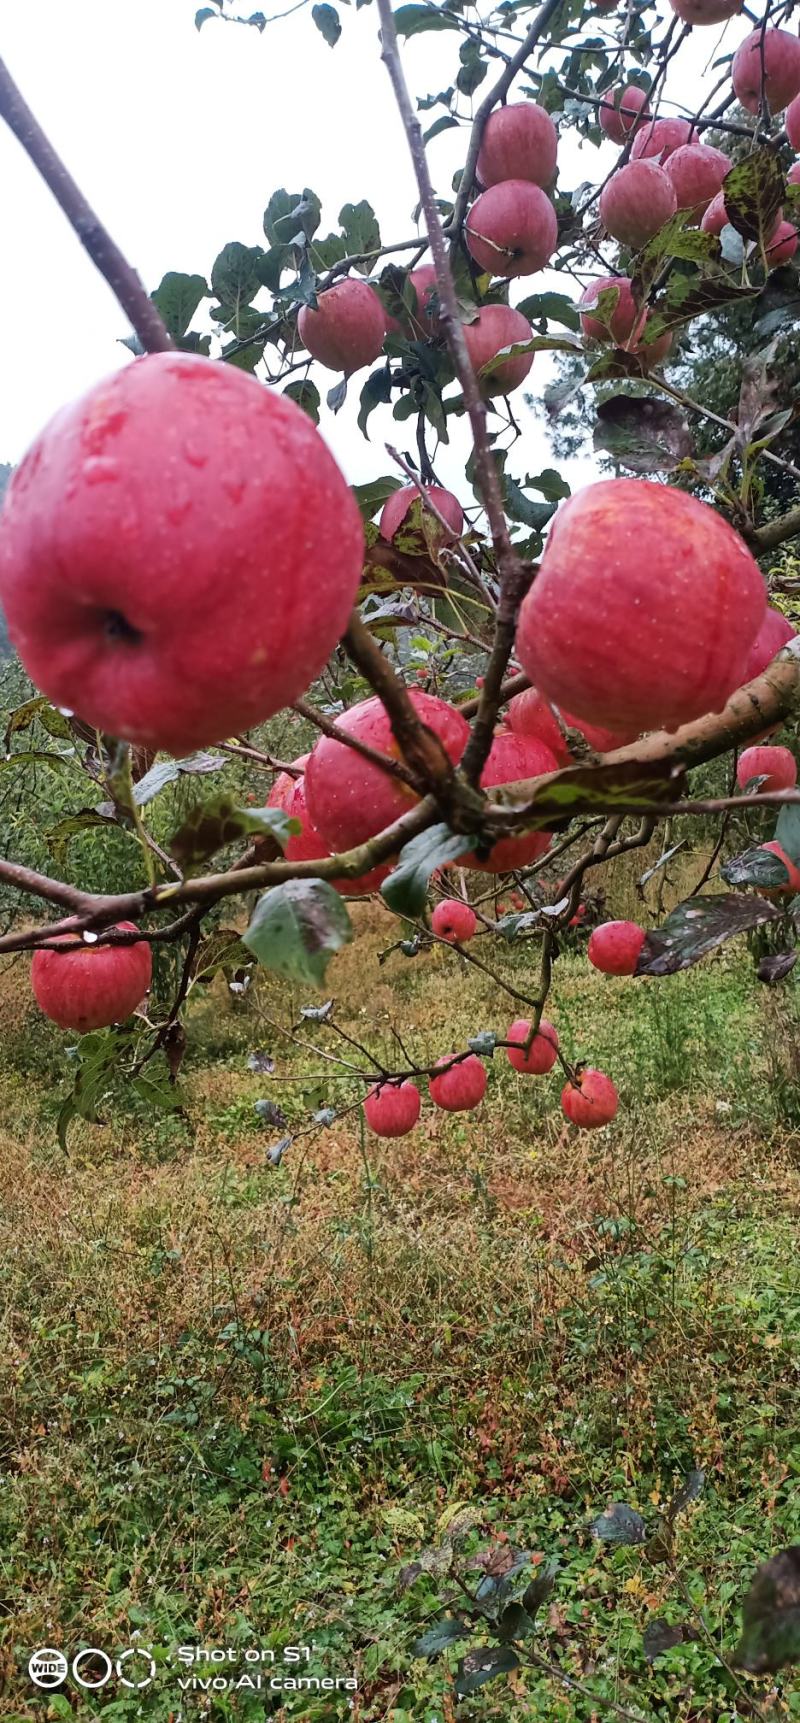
237, 1400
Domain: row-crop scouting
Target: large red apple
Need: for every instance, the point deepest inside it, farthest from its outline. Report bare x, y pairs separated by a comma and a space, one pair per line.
512, 229
777, 766
459, 1087
776, 631
179, 553
530, 714
91, 986
590, 1101
519, 142
636, 202
645, 607
289, 793
512, 759
614, 947
771, 55
782, 244
792, 124
349, 798
619, 111
348, 327
398, 504
495, 328
697, 172
660, 137
706, 11
392, 1109
543, 1051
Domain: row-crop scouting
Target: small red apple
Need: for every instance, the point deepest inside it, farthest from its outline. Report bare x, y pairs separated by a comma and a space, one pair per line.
495, 328
793, 882
349, 798
454, 921
348, 328
697, 172
529, 714
91, 986
512, 229
512, 759
398, 504
777, 766
519, 142
579, 916
161, 552
289, 793
590, 1101
392, 1109
702, 12
782, 244
792, 124
617, 323
614, 947
619, 111
716, 215
793, 176
543, 1051
660, 137
776, 631
772, 56
461, 1086
644, 609
636, 202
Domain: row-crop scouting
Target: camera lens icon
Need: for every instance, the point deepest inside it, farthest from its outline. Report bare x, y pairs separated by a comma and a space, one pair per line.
47, 1667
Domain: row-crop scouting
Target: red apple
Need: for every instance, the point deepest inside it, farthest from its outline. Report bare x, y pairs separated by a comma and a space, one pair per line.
424, 320
697, 172
645, 607
519, 142
454, 921
591, 1100
161, 552
793, 882
773, 55
289, 793
543, 1050
792, 124
636, 202
349, 798
777, 766
614, 947
619, 111
461, 1086
348, 328
626, 324
579, 916
529, 714
90, 986
513, 758
495, 328
660, 137
716, 215
392, 1109
782, 244
398, 504
776, 631
793, 176
512, 229
701, 12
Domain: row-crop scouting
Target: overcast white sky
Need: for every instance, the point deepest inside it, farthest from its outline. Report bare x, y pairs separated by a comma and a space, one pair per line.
178, 137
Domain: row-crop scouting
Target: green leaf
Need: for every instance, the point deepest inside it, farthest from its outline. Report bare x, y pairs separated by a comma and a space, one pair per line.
787, 831
49, 717
377, 392
336, 397
297, 927
361, 232
445, 124
289, 213
473, 67
755, 866
645, 435
305, 394
675, 239
701, 924
753, 194
660, 1636
236, 278
406, 889
328, 23
555, 306
411, 20
212, 825
689, 296
524, 509
176, 299
168, 771
202, 17
58, 838
771, 1616
591, 789
620, 1525
438, 1637
372, 496
483, 1664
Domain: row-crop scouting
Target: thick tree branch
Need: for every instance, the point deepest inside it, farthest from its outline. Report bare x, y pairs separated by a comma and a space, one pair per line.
121, 278
776, 532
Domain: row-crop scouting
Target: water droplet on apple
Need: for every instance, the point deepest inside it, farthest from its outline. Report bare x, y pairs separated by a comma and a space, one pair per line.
101, 470
90, 938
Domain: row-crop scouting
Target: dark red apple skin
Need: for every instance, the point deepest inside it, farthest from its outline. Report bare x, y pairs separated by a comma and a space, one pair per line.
715, 217
782, 244
779, 53
496, 327
620, 109
614, 947
644, 610
519, 142
593, 1103
621, 323
704, 12
161, 551
348, 328
543, 1051
792, 885
396, 508
776, 631
454, 921
530, 714
777, 766
91, 986
636, 202
660, 137
289, 794
697, 172
461, 1087
392, 1109
512, 759
512, 229
349, 798
792, 124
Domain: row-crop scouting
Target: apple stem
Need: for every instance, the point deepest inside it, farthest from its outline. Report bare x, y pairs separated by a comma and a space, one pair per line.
121, 277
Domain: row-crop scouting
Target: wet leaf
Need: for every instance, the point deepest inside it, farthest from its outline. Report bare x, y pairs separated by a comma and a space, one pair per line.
754, 193
58, 838
483, 1044
774, 969
787, 830
211, 825
755, 866
305, 395
482, 1665
646, 435
411, 20
661, 1636
770, 1635
297, 927
176, 299
698, 926
270, 1114
620, 1525
261, 1061
689, 1491
439, 1636
328, 23
406, 889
